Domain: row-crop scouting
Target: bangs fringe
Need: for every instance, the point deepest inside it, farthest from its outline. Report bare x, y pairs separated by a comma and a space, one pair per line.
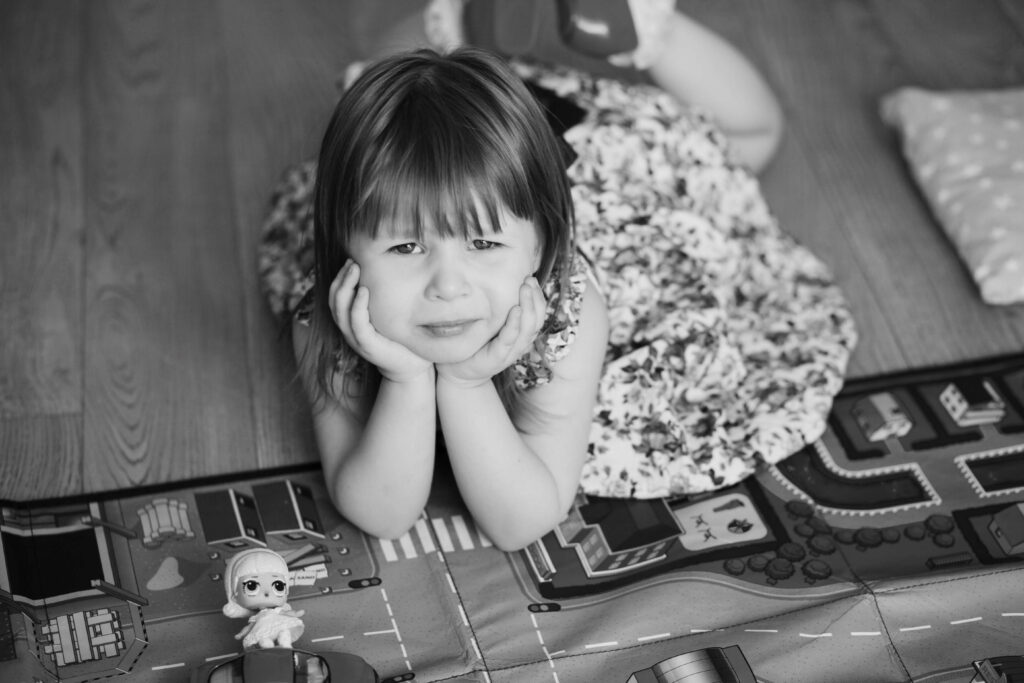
443, 179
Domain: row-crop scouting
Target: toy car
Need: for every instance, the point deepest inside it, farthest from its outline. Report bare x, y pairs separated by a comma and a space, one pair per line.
286, 665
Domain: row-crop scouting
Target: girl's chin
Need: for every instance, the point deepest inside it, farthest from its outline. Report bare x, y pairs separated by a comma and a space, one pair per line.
448, 358
449, 352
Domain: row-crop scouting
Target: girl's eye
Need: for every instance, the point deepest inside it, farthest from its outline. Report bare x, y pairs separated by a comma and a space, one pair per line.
484, 245
406, 249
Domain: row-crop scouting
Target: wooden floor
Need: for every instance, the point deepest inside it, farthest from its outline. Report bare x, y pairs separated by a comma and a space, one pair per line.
138, 142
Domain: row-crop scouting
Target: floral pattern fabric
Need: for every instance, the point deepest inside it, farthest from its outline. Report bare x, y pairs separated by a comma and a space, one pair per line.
728, 339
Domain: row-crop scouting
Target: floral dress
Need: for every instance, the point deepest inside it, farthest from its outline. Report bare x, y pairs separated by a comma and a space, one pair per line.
728, 339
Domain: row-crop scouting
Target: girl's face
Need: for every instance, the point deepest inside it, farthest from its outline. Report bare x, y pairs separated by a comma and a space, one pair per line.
443, 298
259, 591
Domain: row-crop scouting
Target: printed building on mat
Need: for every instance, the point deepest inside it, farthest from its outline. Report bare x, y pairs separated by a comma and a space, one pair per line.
617, 538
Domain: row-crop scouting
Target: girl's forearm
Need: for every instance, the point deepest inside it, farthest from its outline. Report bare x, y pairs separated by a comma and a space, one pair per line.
383, 484
508, 489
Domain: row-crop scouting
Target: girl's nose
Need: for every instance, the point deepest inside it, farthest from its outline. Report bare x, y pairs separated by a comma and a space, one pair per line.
448, 278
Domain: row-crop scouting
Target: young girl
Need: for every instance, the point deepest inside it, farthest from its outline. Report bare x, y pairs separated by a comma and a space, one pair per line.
443, 233
451, 292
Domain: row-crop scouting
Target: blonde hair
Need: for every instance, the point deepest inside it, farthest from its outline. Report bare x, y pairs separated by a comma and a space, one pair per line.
251, 561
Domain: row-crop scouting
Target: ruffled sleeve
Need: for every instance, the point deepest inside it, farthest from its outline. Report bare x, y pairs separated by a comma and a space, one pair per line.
559, 332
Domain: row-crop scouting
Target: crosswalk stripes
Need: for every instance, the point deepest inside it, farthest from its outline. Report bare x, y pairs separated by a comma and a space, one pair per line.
443, 536
449, 533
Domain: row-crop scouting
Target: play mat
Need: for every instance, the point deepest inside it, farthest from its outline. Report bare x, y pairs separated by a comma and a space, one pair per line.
889, 550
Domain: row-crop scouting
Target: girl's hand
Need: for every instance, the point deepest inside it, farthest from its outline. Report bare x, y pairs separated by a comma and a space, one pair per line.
513, 340
350, 306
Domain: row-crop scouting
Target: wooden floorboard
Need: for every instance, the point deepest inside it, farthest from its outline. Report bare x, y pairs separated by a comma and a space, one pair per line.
282, 66
40, 456
40, 210
41, 262
167, 393
1014, 11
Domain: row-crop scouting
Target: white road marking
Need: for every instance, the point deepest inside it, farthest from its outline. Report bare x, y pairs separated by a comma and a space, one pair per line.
168, 666
407, 547
216, 657
423, 531
389, 550
964, 621
443, 537
856, 634
325, 639
815, 635
656, 636
378, 633
915, 628
611, 643
462, 531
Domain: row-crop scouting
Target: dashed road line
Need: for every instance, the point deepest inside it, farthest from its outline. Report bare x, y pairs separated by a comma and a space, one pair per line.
393, 629
815, 635
657, 636
216, 657
915, 628
964, 621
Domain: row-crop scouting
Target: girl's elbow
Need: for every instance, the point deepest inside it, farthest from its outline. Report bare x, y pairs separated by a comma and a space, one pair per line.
515, 542
385, 529
514, 537
384, 524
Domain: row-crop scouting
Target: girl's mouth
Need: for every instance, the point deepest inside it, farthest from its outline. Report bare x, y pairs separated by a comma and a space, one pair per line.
449, 328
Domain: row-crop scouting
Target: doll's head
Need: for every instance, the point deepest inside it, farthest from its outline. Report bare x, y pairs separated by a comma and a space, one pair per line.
255, 579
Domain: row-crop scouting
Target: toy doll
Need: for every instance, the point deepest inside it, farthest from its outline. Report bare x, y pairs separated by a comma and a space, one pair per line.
256, 583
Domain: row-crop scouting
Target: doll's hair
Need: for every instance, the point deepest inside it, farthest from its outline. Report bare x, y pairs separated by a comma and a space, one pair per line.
251, 561
433, 142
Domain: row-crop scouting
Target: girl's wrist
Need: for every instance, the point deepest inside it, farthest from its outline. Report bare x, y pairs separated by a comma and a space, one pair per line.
425, 376
460, 383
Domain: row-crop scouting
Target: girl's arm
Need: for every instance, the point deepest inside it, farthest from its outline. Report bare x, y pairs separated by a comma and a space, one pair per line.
518, 475
699, 67
377, 452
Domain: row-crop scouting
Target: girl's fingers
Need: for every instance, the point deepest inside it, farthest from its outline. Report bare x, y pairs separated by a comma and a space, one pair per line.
540, 304
509, 332
342, 297
531, 301
359, 317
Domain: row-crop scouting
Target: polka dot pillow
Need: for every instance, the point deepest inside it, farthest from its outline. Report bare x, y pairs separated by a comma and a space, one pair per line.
966, 150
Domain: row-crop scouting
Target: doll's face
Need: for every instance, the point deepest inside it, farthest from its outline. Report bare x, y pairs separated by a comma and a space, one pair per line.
260, 591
